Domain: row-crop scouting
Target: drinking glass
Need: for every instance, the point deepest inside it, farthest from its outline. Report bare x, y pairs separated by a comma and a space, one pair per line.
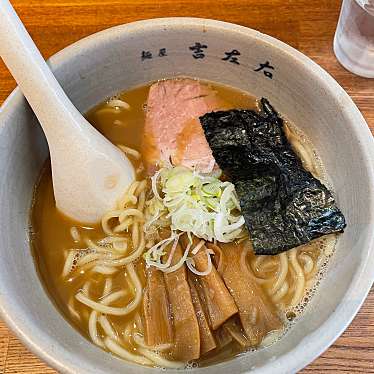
354, 37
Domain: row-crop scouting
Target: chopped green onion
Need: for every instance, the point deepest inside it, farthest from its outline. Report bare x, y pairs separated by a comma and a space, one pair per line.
194, 203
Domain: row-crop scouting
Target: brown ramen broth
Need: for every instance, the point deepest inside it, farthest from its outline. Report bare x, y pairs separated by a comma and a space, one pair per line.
288, 279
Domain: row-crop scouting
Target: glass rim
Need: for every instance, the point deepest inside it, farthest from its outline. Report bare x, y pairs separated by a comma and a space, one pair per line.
366, 5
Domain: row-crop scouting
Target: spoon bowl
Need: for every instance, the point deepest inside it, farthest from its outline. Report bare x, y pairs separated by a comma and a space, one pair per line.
89, 173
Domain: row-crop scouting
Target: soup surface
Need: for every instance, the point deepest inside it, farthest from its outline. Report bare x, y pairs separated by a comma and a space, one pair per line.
74, 259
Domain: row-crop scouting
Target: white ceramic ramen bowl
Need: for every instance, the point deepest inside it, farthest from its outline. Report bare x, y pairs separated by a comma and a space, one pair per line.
105, 63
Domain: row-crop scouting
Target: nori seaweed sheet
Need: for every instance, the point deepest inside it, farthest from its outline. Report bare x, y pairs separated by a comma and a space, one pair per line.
283, 205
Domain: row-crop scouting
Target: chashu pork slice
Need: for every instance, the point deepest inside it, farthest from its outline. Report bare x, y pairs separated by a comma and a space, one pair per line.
172, 129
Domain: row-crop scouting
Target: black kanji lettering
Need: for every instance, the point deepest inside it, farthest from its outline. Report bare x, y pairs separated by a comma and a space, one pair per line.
162, 52
232, 56
198, 50
265, 68
146, 55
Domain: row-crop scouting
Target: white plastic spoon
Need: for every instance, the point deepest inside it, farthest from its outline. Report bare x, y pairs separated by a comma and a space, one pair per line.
89, 173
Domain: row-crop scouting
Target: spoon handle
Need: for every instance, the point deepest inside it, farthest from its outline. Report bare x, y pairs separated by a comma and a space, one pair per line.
40, 87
